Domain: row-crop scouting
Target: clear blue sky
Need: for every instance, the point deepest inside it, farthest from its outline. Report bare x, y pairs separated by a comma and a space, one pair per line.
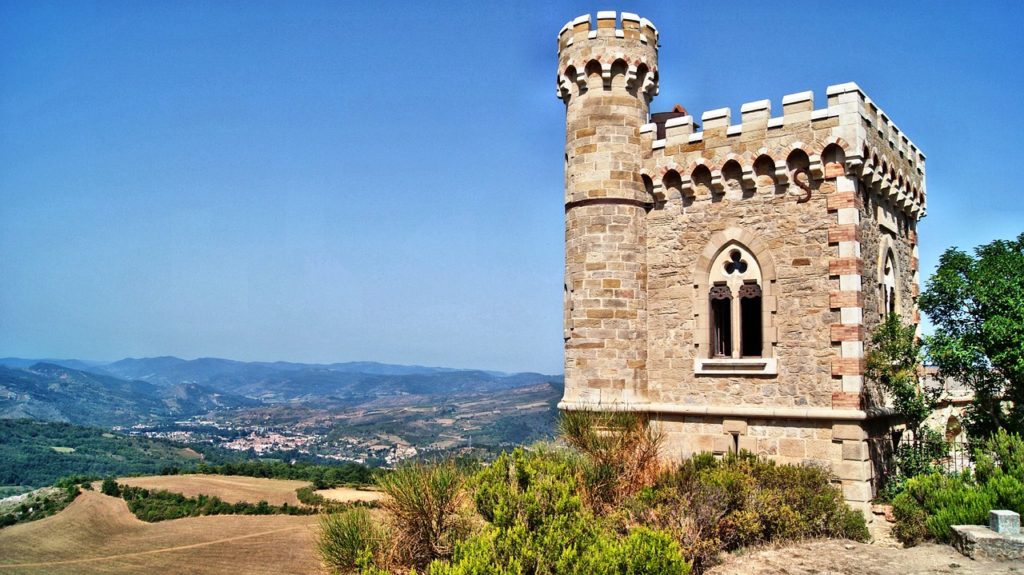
382, 181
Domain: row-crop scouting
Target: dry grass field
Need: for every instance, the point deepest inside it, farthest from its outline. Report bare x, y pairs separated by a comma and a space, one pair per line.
346, 494
97, 534
230, 488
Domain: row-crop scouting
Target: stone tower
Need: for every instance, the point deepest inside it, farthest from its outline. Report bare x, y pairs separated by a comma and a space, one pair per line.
723, 278
607, 78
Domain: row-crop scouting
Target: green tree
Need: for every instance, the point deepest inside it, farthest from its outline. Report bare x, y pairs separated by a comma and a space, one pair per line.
977, 305
893, 359
110, 487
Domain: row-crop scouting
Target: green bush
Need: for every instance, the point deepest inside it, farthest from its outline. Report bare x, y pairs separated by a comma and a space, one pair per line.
1001, 453
347, 540
109, 487
944, 501
539, 524
910, 527
932, 503
159, 505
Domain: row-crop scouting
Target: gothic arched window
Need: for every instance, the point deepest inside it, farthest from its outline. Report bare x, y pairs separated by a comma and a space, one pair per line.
735, 304
888, 286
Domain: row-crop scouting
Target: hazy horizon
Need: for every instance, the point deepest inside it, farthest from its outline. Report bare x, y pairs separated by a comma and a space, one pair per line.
102, 362
325, 182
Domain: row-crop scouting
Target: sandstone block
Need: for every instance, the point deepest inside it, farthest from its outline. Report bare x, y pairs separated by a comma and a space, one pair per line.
843, 400
748, 444
734, 426
841, 299
792, 447
842, 332
855, 451
857, 491
723, 444
852, 470
846, 431
819, 449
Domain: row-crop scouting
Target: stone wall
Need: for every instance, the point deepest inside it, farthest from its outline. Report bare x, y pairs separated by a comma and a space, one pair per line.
651, 208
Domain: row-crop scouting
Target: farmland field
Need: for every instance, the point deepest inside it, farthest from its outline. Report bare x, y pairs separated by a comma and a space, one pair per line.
97, 534
230, 488
347, 494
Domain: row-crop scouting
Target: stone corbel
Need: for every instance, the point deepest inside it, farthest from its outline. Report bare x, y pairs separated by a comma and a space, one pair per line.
854, 166
606, 74
686, 186
885, 187
717, 182
815, 167
903, 199
748, 179
649, 87
781, 173
876, 180
631, 77
564, 87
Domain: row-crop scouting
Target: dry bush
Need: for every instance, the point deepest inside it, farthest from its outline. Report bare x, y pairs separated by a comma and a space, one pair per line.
713, 506
350, 540
423, 504
621, 454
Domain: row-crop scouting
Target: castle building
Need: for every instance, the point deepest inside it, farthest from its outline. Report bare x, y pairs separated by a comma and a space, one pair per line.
723, 277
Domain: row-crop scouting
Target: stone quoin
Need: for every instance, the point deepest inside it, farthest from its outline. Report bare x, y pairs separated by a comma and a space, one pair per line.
722, 273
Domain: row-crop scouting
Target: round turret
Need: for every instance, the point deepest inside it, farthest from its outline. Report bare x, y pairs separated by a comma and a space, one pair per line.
607, 77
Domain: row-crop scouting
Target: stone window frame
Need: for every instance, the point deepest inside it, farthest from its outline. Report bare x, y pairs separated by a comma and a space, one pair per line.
887, 254
767, 364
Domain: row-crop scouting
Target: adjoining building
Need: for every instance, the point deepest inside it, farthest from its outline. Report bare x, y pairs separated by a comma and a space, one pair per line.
722, 276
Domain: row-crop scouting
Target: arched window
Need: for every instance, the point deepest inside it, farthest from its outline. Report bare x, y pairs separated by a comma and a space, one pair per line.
888, 286
735, 304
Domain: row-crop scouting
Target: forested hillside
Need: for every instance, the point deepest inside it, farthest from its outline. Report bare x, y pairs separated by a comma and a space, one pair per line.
36, 454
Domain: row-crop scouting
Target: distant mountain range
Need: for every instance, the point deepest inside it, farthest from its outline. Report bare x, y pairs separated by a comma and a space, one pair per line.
145, 390
49, 392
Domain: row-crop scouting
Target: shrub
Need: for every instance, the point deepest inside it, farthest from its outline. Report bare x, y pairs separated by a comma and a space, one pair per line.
944, 501
621, 453
539, 524
714, 506
1001, 453
348, 539
910, 526
423, 503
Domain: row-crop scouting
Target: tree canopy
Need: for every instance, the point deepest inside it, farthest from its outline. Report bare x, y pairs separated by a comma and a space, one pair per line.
893, 359
976, 303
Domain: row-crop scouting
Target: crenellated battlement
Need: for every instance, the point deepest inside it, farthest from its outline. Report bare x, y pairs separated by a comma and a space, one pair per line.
609, 25
626, 47
850, 133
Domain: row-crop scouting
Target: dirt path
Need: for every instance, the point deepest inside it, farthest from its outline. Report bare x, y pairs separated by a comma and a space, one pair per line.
851, 558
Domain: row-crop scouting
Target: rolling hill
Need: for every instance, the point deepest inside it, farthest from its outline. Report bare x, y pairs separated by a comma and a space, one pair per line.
37, 454
98, 534
50, 392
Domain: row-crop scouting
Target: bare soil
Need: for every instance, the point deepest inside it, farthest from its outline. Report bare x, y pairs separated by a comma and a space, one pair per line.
346, 494
837, 557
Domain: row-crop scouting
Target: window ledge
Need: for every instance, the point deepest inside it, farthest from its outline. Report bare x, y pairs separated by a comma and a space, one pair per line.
730, 366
